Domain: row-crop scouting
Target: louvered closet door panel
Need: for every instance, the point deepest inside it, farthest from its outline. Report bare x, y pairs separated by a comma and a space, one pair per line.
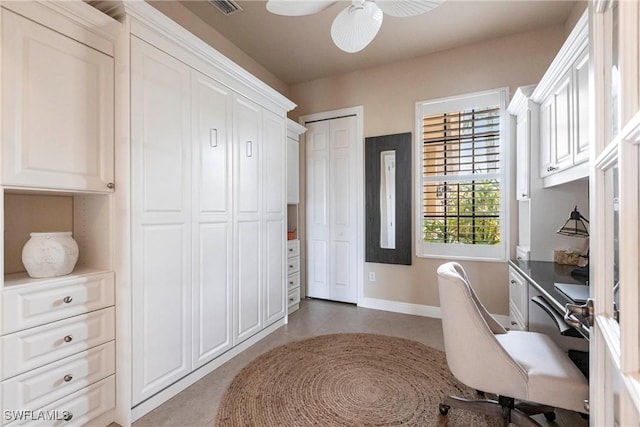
274, 190
161, 229
248, 222
212, 227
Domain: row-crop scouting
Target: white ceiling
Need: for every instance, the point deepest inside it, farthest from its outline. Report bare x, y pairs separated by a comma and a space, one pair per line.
299, 49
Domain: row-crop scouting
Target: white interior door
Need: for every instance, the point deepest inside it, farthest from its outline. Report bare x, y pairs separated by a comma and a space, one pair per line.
615, 198
333, 169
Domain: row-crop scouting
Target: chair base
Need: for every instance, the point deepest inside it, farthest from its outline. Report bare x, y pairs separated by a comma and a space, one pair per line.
505, 407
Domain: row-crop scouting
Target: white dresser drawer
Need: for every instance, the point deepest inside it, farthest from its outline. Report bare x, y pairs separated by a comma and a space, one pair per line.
293, 297
26, 306
293, 265
293, 248
293, 281
35, 347
79, 408
35, 389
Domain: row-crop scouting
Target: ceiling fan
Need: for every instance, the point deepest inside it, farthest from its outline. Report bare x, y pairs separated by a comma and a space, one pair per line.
356, 26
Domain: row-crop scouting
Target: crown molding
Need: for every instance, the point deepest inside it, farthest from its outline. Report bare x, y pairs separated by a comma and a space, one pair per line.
520, 99
149, 22
575, 44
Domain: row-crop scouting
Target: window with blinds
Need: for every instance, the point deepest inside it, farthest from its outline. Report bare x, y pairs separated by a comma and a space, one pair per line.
462, 173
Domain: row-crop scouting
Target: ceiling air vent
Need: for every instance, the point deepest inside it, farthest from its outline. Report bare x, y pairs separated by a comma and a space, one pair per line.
228, 7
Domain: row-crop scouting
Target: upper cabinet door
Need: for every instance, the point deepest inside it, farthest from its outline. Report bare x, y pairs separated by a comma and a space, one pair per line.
293, 171
581, 103
562, 150
57, 110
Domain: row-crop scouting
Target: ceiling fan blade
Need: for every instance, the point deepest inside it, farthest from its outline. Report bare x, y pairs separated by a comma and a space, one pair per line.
404, 8
356, 26
297, 7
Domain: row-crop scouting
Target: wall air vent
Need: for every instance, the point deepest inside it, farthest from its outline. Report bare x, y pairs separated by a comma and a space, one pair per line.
228, 7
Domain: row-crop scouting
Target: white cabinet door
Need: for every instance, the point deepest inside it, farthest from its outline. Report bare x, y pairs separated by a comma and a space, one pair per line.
562, 149
274, 177
581, 108
160, 215
547, 136
523, 132
211, 217
518, 298
57, 110
248, 232
293, 171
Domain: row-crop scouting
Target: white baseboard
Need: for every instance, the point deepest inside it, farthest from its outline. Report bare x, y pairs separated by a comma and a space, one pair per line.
415, 309
401, 307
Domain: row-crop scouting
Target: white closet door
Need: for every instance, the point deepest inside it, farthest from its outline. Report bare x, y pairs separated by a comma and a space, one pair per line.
274, 191
212, 222
161, 199
332, 189
318, 226
248, 233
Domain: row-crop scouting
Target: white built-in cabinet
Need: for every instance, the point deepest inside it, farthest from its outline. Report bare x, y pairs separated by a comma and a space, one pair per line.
294, 252
207, 207
526, 115
562, 96
57, 343
57, 105
161, 219
518, 301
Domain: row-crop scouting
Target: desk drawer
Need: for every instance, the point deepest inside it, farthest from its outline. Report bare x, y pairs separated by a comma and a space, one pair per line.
42, 386
33, 305
79, 408
35, 347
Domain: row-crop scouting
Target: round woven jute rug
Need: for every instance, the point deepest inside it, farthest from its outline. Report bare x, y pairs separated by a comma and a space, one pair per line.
346, 380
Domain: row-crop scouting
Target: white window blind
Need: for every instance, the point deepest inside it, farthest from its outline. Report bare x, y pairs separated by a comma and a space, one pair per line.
461, 152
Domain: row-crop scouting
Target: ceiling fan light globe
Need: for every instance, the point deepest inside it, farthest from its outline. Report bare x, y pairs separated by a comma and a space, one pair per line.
356, 26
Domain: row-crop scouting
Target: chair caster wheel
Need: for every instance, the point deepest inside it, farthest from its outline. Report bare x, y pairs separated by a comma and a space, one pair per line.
551, 415
444, 409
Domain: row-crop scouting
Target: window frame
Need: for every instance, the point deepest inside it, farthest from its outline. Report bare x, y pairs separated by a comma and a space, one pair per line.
462, 102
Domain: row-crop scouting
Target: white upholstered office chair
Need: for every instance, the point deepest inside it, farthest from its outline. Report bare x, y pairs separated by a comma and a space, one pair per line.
514, 365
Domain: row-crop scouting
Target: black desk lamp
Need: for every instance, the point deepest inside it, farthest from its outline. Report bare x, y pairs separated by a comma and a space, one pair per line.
576, 227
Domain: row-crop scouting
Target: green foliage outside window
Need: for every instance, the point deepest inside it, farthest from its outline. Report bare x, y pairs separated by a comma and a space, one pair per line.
468, 213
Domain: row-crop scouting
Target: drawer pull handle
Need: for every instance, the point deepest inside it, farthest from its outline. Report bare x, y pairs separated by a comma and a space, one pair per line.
513, 282
67, 416
67, 300
290, 266
67, 378
290, 249
68, 338
291, 283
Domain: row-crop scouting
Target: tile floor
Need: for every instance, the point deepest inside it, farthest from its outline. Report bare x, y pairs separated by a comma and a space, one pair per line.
198, 405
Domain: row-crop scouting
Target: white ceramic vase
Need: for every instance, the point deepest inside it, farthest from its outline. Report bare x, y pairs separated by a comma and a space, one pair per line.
50, 254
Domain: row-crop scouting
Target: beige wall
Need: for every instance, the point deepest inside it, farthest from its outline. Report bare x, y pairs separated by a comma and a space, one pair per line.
187, 19
389, 94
